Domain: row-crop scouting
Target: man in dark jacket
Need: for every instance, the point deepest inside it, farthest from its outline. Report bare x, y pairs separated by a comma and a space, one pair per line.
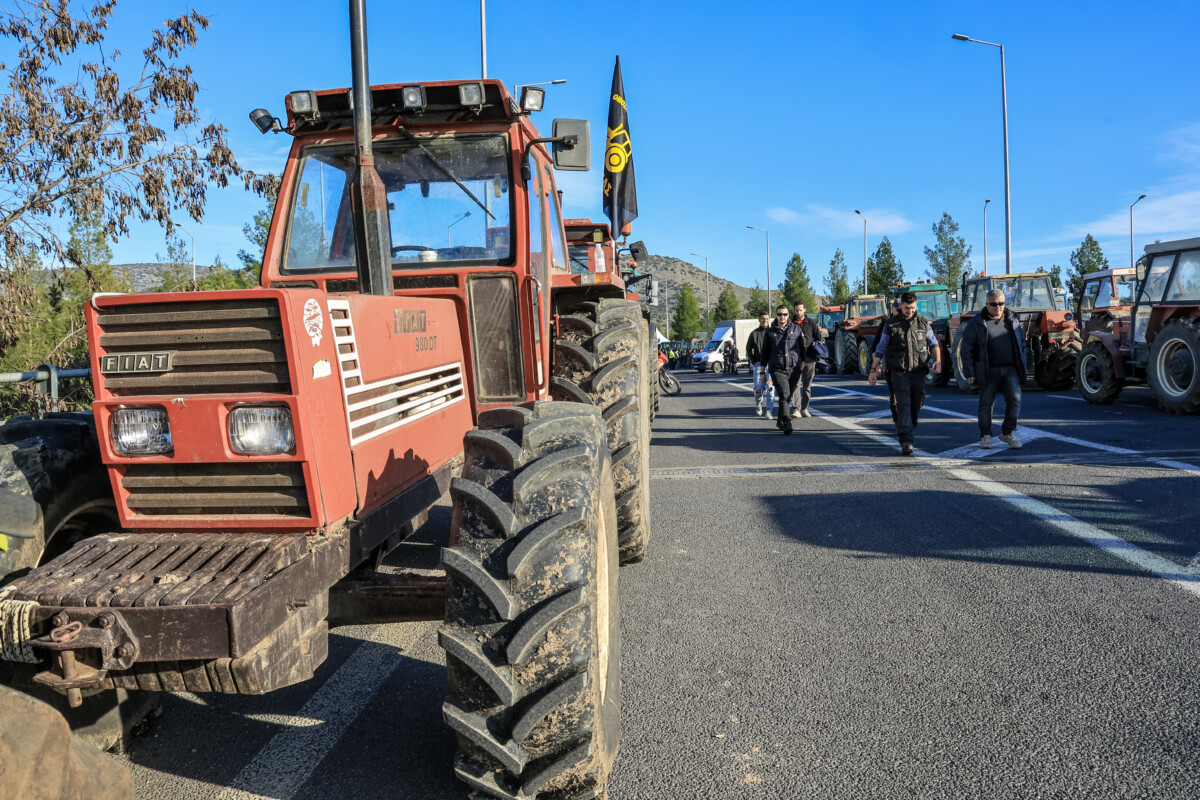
904, 350
754, 346
993, 358
808, 366
783, 356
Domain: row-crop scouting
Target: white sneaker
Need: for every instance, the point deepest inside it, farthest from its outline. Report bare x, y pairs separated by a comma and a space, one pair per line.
985, 442
795, 413
758, 406
1011, 440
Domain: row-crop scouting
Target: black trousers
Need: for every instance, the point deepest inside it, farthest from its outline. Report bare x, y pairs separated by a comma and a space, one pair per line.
785, 381
908, 396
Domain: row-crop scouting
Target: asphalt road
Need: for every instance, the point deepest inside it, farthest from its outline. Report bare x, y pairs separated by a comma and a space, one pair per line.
820, 617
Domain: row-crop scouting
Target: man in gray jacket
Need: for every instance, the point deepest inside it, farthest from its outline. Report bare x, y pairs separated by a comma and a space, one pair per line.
993, 358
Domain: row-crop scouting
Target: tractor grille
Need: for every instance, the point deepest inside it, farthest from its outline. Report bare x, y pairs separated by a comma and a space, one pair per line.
246, 490
227, 347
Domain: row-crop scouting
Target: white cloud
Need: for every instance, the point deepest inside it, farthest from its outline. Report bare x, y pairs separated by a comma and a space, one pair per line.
839, 222
1182, 144
1160, 215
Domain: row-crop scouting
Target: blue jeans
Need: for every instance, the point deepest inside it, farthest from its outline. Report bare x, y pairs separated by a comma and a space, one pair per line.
1000, 379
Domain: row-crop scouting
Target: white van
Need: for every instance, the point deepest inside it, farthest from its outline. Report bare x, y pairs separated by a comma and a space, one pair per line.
712, 357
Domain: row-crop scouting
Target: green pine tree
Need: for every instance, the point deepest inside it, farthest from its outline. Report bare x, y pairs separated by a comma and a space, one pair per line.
1087, 258
256, 233
686, 319
796, 287
176, 272
757, 304
728, 306
883, 269
950, 256
837, 281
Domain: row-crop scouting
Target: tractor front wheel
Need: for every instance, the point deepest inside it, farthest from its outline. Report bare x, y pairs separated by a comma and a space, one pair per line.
532, 633
847, 353
1096, 375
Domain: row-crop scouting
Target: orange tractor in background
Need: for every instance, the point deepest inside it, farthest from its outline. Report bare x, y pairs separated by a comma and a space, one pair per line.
418, 330
1105, 297
1052, 342
855, 335
1159, 342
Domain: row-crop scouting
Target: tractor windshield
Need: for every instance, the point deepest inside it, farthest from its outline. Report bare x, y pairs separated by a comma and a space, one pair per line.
1023, 294
933, 305
1126, 286
434, 220
827, 319
869, 308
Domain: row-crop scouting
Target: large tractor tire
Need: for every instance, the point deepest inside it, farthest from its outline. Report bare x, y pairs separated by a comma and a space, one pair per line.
1096, 375
866, 352
598, 359
1055, 368
40, 759
847, 353
532, 632
1174, 369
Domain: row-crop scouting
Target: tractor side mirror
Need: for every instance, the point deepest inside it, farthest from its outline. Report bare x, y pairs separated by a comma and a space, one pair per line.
638, 251
574, 152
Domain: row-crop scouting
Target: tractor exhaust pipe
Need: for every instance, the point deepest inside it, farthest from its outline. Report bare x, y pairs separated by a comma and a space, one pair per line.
368, 198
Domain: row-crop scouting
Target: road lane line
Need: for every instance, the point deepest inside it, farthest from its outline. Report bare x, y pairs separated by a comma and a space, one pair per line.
1113, 545
284, 764
1166, 462
1067, 397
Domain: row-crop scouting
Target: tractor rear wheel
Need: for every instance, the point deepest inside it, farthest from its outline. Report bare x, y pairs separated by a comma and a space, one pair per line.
1096, 375
532, 632
956, 363
865, 351
1057, 370
1175, 366
599, 359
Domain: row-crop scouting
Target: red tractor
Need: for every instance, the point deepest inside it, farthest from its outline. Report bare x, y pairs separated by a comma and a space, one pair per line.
1104, 297
264, 449
1051, 340
855, 336
1159, 343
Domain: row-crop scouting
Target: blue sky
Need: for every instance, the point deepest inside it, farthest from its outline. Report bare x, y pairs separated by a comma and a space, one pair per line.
783, 115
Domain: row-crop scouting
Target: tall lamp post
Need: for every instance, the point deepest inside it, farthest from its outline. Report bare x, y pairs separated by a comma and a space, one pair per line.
1131, 205
452, 224
193, 238
864, 216
768, 233
707, 302
985, 205
1004, 112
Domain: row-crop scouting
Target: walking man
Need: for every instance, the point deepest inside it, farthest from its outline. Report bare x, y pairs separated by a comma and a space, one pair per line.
993, 355
904, 346
782, 355
809, 359
754, 345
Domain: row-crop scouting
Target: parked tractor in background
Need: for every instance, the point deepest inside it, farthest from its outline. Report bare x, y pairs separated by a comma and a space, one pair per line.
936, 302
855, 336
827, 318
1106, 296
1159, 343
265, 448
1052, 343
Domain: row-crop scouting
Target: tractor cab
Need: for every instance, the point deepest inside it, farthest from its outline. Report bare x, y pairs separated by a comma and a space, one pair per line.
1106, 296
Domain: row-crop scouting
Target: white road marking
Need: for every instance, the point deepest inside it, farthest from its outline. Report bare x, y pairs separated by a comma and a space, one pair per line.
1166, 462
1067, 397
286, 762
1194, 567
887, 412
1026, 435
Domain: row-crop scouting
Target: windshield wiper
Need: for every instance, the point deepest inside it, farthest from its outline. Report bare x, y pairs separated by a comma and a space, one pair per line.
444, 170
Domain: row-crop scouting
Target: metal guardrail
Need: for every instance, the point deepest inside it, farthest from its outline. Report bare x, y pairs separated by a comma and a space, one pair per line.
45, 378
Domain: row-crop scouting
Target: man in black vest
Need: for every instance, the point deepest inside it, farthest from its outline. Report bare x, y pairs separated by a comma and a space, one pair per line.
904, 346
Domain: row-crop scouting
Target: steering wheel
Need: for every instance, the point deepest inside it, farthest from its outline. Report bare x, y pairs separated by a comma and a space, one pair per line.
400, 248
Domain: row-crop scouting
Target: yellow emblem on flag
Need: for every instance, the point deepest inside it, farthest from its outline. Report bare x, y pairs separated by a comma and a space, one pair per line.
619, 149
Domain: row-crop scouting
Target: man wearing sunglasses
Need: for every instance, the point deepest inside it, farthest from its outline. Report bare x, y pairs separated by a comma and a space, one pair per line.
783, 355
993, 359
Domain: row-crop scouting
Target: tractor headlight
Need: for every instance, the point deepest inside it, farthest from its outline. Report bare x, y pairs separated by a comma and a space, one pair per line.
261, 430
141, 431
413, 98
470, 94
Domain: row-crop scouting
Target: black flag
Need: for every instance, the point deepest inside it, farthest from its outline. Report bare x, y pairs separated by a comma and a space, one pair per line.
620, 191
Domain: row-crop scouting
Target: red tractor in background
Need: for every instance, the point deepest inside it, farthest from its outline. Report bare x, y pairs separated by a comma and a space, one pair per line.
1105, 297
1051, 341
1159, 343
264, 449
855, 336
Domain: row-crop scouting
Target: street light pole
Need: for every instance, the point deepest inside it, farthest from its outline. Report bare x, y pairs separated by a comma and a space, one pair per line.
985, 205
483, 37
1004, 112
452, 224
707, 301
864, 216
1131, 205
768, 233
193, 238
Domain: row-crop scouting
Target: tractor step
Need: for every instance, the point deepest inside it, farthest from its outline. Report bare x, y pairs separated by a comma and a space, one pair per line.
175, 611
